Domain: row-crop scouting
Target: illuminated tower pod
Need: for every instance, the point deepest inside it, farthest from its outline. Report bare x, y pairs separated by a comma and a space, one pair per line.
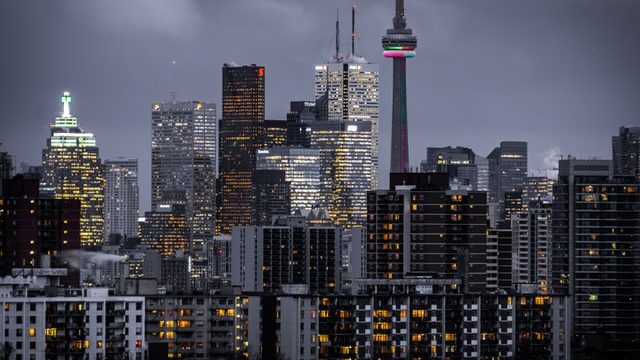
72, 170
399, 44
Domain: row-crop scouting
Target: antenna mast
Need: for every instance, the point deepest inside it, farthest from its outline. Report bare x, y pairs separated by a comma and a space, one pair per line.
174, 93
337, 35
353, 30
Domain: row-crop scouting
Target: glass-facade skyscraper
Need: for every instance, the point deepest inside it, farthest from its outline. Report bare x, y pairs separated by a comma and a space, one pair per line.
241, 135
72, 170
302, 170
183, 167
121, 194
352, 89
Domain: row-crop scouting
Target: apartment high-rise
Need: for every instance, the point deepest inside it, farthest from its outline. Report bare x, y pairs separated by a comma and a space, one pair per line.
72, 170
291, 251
531, 246
594, 256
121, 194
31, 226
626, 152
241, 135
183, 168
421, 228
302, 171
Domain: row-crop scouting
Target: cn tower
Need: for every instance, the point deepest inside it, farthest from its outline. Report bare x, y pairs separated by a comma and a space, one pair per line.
399, 44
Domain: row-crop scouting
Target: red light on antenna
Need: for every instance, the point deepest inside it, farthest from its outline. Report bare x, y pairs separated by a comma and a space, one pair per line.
261, 72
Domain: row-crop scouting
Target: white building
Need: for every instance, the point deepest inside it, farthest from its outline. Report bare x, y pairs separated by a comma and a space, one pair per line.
85, 323
121, 204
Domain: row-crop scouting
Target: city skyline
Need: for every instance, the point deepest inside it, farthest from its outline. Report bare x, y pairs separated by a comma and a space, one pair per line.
516, 66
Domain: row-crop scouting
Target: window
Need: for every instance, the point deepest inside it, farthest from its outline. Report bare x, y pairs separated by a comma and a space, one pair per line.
32, 332
53, 332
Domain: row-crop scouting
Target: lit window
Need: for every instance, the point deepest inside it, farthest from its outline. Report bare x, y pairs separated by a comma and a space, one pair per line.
32, 332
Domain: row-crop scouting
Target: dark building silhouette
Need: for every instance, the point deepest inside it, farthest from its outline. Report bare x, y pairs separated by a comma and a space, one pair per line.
273, 196
241, 134
596, 236
31, 227
626, 152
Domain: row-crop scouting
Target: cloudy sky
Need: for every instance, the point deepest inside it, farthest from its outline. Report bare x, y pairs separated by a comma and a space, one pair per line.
563, 75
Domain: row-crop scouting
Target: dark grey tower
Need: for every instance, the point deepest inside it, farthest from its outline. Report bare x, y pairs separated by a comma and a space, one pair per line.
399, 44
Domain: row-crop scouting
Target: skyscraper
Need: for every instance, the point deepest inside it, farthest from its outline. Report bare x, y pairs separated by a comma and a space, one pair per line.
345, 168
351, 85
183, 166
399, 44
72, 170
241, 135
594, 256
122, 207
302, 171
507, 171
626, 152
166, 230
460, 163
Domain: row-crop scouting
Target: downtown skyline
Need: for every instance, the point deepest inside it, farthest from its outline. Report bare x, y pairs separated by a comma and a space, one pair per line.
445, 80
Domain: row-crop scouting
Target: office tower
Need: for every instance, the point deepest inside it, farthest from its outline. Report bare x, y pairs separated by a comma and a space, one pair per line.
272, 196
507, 171
482, 168
531, 246
72, 170
300, 114
345, 168
626, 152
460, 164
594, 256
6, 167
421, 228
166, 229
291, 251
347, 89
31, 226
399, 44
537, 188
302, 171
513, 204
275, 133
122, 208
183, 168
241, 134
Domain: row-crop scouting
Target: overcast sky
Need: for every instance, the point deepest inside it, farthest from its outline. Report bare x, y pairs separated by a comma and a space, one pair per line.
563, 75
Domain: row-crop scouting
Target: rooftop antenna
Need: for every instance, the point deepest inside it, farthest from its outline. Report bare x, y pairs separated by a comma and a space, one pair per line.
337, 35
174, 93
353, 30
66, 101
